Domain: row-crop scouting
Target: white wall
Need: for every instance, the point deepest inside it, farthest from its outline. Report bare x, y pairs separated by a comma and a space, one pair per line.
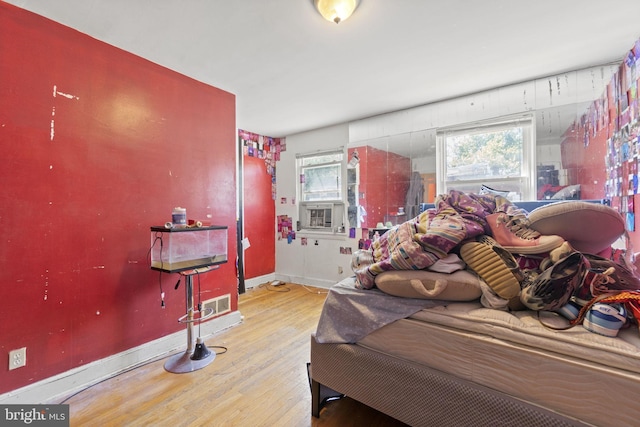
567, 89
320, 264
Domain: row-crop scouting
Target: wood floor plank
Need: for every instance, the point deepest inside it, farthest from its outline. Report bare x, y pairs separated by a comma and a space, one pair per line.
261, 379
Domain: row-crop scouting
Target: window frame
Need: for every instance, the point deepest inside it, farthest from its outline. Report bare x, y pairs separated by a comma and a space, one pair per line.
526, 180
336, 205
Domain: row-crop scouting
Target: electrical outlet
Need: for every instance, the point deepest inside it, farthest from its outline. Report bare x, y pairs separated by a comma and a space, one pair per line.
17, 358
340, 270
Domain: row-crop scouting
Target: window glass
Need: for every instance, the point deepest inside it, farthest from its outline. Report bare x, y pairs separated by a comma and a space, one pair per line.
322, 183
321, 177
489, 156
321, 191
486, 154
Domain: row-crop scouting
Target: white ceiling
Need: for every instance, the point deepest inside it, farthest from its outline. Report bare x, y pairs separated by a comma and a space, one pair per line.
293, 71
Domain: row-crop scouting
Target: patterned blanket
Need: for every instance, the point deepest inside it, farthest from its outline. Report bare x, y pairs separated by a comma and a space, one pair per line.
418, 243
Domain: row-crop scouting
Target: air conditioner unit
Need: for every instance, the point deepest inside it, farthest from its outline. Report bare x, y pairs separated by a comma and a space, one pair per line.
322, 216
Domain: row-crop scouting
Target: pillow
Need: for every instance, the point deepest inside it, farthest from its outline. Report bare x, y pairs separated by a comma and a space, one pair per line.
588, 227
461, 285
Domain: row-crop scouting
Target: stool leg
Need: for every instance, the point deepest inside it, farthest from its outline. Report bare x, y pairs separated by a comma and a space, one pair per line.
182, 363
188, 290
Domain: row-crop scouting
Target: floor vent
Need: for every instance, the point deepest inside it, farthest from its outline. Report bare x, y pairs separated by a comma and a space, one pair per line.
219, 305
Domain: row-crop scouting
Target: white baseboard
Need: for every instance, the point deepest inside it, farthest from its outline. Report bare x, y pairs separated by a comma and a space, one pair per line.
257, 281
55, 389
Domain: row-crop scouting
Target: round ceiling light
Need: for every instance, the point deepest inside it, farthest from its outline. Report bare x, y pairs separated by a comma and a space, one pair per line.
335, 10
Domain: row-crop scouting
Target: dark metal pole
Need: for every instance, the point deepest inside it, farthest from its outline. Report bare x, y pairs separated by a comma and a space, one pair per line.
240, 219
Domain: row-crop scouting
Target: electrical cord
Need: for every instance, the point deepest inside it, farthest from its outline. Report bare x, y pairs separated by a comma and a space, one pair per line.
314, 291
158, 237
280, 288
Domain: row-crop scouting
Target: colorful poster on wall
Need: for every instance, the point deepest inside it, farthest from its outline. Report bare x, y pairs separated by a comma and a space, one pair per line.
285, 228
263, 147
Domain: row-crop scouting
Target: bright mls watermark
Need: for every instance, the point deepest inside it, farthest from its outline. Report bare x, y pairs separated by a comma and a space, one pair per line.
34, 415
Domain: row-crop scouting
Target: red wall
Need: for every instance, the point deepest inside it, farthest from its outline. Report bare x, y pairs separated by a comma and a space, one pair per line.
259, 219
585, 164
592, 150
84, 175
384, 180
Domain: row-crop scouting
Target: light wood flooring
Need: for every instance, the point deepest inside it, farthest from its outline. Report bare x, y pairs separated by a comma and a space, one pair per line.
261, 379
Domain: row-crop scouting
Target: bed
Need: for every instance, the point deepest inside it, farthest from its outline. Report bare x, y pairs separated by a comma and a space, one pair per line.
430, 362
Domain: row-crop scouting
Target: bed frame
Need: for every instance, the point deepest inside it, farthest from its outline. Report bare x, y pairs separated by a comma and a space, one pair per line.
416, 394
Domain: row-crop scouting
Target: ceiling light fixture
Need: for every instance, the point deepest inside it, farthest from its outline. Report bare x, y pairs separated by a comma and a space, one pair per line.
336, 10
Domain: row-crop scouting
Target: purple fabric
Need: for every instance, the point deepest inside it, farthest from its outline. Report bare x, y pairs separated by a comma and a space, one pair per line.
420, 242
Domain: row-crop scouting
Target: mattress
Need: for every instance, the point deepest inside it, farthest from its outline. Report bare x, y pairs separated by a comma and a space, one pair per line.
574, 372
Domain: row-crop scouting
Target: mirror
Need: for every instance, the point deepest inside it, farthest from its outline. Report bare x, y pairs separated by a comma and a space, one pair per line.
397, 171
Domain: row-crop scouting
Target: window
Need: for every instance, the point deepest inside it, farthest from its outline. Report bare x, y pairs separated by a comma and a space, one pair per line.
321, 176
499, 155
321, 191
